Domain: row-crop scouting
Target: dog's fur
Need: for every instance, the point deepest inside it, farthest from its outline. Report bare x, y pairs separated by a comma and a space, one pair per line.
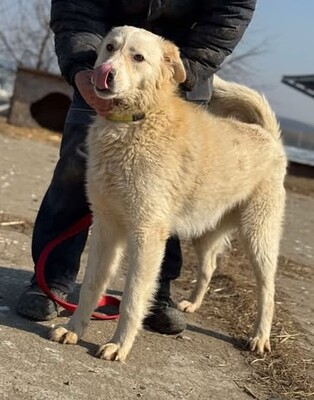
179, 171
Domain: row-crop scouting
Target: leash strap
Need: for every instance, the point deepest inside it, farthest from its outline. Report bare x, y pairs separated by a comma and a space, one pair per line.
105, 300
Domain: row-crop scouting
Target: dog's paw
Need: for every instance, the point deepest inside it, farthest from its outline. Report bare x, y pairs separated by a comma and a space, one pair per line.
62, 335
187, 306
111, 352
259, 345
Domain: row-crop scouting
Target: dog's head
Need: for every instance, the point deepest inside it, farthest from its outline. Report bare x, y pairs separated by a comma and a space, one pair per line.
133, 64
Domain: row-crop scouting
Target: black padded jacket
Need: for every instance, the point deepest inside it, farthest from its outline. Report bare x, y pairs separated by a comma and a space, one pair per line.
206, 31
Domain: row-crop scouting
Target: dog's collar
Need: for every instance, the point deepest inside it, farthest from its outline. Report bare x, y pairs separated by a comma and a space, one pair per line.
125, 117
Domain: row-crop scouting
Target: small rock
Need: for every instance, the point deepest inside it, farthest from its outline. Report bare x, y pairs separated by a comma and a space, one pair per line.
183, 337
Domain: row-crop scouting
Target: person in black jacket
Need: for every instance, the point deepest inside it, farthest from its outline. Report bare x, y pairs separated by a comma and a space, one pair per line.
206, 31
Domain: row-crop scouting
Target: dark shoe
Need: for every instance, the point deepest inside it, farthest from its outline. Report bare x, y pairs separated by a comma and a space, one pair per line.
165, 317
35, 305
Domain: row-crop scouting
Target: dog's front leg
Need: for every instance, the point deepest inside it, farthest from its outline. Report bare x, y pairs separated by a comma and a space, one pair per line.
106, 248
146, 250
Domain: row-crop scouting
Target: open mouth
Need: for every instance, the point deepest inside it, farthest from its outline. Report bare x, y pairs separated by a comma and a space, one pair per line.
104, 93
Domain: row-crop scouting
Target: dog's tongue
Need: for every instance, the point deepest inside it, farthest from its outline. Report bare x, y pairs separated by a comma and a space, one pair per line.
100, 76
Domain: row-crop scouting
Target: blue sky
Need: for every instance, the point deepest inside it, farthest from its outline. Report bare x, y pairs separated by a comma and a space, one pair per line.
288, 26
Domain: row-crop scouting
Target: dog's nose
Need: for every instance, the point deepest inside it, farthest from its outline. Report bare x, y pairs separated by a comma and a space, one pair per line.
102, 76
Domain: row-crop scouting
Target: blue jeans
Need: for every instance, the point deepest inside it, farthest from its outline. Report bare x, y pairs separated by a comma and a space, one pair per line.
65, 202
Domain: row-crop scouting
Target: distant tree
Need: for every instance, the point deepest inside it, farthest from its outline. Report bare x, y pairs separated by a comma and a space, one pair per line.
237, 67
25, 36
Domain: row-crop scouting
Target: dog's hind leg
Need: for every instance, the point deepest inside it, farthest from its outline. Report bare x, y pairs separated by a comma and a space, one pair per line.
261, 222
146, 250
207, 248
106, 248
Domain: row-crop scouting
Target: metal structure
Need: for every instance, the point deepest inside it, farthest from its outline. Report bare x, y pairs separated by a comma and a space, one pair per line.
299, 145
302, 83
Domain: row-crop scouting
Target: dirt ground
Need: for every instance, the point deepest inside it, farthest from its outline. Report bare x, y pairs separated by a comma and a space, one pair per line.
207, 361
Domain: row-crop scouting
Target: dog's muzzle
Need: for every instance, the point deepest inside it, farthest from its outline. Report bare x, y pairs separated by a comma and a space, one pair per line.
103, 77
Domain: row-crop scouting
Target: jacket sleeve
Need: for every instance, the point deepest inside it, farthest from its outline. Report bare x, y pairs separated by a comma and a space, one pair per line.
218, 29
78, 26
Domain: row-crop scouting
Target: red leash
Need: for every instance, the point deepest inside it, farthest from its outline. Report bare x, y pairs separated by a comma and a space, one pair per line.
82, 224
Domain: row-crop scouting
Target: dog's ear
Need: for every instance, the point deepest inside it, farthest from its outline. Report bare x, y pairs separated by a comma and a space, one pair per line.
173, 61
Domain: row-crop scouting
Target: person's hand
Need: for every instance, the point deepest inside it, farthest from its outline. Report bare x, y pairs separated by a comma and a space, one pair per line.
85, 87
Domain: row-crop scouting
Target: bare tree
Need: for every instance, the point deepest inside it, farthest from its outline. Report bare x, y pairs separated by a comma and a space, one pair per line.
25, 36
237, 67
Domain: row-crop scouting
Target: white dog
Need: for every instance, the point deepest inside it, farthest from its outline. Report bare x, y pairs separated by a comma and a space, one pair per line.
161, 166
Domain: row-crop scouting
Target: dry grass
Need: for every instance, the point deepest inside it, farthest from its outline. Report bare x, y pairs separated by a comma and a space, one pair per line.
38, 134
286, 373
16, 224
299, 184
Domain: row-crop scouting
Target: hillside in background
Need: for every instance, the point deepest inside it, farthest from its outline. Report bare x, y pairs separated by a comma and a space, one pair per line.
295, 126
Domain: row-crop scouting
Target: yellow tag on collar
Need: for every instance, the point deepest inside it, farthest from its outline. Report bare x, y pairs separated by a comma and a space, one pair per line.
125, 117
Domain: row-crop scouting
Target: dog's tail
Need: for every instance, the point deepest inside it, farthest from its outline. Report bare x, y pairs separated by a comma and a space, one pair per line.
231, 99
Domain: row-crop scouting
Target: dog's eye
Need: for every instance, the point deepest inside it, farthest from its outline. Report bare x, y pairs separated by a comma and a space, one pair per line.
109, 47
138, 57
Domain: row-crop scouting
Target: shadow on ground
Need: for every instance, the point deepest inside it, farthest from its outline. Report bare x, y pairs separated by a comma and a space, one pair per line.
12, 283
